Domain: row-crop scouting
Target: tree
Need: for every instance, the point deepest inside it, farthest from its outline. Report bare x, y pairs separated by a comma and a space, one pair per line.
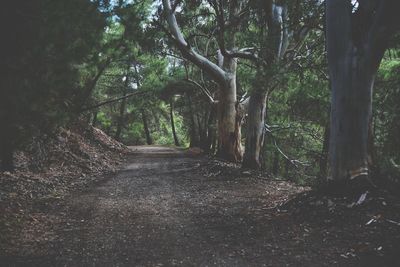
229, 115
282, 28
358, 34
274, 43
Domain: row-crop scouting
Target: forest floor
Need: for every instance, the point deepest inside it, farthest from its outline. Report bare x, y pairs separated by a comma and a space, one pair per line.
173, 207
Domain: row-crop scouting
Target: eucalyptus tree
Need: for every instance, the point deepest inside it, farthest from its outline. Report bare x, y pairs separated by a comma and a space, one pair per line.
228, 15
358, 34
281, 28
273, 44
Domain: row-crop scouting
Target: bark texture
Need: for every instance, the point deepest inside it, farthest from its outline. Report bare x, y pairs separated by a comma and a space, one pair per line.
255, 130
356, 43
229, 118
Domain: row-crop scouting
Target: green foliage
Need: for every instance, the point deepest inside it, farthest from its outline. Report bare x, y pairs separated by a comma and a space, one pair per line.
47, 49
386, 117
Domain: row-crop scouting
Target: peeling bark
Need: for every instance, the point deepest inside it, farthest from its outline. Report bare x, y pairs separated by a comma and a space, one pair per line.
229, 123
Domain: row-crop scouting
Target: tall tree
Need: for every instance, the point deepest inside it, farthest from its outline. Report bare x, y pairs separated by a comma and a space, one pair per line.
282, 28
358, 33
274, 43
229, 115
122, 108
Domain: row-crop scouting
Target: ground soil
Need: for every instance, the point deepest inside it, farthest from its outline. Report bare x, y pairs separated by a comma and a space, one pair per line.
173, 207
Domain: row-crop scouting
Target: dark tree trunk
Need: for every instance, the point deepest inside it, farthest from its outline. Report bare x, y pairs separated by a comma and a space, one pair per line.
354, 56
121, 117
323, 162
203, 130
194, 137
94, 120
171, 113
211, 129
149, 140
351, 113
255, 130
91, 85
372, 157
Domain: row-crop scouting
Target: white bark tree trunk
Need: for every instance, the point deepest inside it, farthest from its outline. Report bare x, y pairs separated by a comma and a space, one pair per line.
277, 42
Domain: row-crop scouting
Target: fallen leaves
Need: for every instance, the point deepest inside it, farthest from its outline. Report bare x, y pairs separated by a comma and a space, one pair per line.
69, 161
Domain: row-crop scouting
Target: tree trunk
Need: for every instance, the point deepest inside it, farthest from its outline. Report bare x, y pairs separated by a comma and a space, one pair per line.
224, 74
229, 123
354, 56
255, 130
204, 131
211, 128
122, 107
351, 104
171, 112
149, 140
121, 119
94, 120
372, 156
323, 162
277, 43
351, 113
194, 137
91, 85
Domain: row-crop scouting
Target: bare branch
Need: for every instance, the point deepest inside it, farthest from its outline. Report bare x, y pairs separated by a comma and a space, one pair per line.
211, 68
204, 90
112, 101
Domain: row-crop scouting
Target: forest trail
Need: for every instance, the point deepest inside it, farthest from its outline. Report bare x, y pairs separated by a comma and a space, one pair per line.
163, 209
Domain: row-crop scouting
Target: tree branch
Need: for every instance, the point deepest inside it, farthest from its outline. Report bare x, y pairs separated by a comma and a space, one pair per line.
112, 101
204, 90
202, 62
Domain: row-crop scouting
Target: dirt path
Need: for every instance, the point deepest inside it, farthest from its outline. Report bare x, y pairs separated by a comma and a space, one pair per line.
163, 209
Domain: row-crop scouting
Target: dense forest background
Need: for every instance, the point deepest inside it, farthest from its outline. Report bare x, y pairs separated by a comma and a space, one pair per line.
121, 66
